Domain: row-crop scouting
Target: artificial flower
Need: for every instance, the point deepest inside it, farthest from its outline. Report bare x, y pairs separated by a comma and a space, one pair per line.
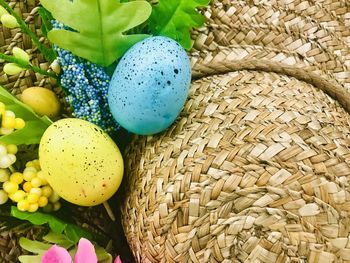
85, 254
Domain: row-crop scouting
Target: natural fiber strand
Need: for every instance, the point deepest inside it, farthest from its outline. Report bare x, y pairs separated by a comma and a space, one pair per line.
335, 91
317, 31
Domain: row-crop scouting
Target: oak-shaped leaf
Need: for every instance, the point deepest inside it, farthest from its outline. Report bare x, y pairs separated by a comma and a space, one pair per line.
97, 27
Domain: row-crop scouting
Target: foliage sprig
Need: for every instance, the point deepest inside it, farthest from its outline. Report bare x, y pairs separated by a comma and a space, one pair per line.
48, 53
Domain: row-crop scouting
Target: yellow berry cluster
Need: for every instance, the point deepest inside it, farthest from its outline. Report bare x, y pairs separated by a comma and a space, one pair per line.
9, 122
29, 189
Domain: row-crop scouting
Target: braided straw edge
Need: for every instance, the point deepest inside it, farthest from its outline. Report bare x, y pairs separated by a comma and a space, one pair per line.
337, 92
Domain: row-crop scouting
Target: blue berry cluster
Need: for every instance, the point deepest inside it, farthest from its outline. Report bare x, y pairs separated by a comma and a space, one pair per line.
87, 86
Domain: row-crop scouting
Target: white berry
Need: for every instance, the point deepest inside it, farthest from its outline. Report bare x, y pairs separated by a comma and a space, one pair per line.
3, 150
5, 161
4, 175
12, 158
3, 197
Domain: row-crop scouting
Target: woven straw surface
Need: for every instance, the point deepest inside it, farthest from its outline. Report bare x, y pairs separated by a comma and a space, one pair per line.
257, 166
9, 247
313, 35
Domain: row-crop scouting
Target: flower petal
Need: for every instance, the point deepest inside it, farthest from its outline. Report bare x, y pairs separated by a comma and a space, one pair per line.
117, 260
86, 252
56, 254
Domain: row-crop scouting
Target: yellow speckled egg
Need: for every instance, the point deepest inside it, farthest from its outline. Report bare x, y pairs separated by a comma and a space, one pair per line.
80, 162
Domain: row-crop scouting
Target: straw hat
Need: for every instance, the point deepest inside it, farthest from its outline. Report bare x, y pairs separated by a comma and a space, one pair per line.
257, 166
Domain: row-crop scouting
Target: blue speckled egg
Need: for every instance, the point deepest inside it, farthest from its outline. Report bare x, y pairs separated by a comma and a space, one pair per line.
150, 85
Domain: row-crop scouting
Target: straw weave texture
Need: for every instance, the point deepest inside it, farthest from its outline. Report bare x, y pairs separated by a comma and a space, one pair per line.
257, 166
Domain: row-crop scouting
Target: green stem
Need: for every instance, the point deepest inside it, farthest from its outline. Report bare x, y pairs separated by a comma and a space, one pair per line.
25, 64
109, 211
48, 53
12, 169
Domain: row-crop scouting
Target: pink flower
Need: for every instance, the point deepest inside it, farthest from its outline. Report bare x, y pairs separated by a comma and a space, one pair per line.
56, 254
85, 254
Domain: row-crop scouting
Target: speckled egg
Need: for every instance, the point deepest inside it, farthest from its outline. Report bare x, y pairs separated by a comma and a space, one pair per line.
80, 161
150, 85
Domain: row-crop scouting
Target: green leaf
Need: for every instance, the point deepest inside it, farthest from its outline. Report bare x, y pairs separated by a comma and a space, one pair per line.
46, 26
72, 232
35, 247
46, 18
38, 218
58, 239
98, 27
35, 125
30, 134
30, 259
102, 255
175, 18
